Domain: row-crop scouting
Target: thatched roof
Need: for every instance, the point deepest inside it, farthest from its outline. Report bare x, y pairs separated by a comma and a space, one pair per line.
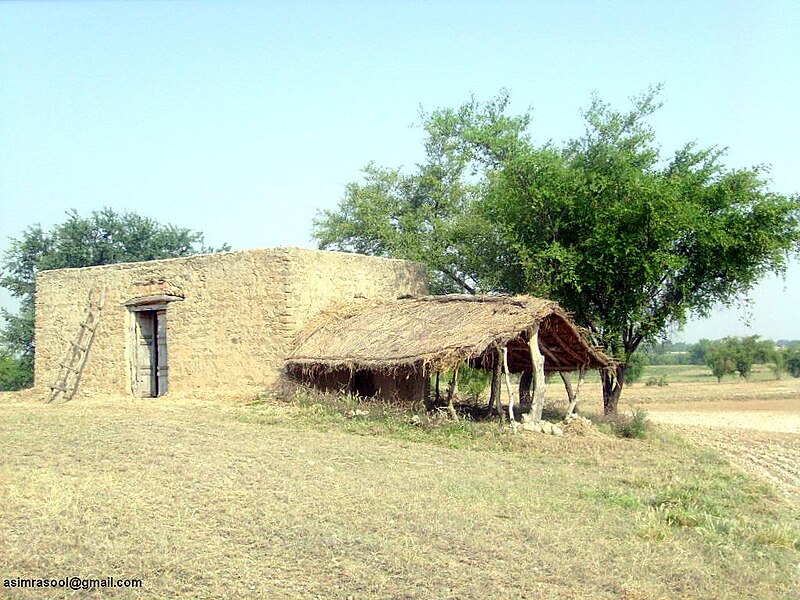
438, 332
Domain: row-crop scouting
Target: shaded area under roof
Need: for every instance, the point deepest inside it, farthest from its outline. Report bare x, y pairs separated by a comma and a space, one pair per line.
438, 332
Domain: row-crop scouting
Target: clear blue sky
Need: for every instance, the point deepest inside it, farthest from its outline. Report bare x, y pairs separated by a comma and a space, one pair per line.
242, 119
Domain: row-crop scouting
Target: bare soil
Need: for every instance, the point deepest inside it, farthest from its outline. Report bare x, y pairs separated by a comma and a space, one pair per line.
760, 435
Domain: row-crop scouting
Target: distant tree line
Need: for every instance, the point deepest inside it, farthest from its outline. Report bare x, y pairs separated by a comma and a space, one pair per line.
730, 355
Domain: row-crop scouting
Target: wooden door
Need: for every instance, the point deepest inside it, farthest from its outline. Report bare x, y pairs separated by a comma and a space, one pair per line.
160, 363
146, 354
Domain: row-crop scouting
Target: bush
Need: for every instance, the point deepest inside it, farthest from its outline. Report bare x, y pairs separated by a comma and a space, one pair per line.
15, 373
793, 362
635, 426
472, 383
660, 381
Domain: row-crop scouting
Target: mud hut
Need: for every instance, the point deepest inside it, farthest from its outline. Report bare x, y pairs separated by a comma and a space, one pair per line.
220, 323
391, 349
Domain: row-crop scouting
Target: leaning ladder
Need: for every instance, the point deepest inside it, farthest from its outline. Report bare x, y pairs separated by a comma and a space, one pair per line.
69, 375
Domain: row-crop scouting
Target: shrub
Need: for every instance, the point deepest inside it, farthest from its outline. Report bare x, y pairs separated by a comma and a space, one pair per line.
635, 426
793, 362
660, 381
15, 373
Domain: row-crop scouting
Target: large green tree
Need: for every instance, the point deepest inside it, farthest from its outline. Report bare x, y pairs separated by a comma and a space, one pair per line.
629, 241
102, 238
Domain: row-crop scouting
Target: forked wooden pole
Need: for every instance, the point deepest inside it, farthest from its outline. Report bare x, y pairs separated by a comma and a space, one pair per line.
508, 387
499, 366
573, 401
538, 374
451, 393
494, 395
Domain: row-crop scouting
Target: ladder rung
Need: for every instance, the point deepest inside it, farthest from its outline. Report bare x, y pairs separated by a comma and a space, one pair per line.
76, 356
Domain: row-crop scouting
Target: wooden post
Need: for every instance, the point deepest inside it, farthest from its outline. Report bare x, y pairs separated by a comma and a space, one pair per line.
573, 401
567, 379
498, 368
538, 374
494, 395
508, 387
451, 393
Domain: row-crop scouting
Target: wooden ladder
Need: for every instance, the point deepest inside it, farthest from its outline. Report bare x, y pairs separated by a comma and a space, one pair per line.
69, 375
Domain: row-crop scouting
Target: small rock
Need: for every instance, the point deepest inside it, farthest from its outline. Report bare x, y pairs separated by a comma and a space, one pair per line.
557, 431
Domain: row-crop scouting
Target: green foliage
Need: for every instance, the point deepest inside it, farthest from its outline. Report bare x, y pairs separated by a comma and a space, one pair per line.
778, 362
793, 362
102, 238
472, 383
738, 355
15, 373
698, 351
628, 241
633, 426
635, 368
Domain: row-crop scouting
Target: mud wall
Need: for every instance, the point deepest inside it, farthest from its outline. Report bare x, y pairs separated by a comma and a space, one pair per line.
231, 331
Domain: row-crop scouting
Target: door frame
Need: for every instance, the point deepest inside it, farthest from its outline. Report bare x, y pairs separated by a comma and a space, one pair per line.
160, 375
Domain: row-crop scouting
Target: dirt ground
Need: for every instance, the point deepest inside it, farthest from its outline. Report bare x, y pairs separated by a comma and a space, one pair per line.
761, 435
205, 499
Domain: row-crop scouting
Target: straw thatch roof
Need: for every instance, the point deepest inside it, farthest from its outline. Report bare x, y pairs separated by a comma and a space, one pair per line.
438, 332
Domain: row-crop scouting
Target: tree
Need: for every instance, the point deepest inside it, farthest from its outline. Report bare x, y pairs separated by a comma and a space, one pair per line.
793, 362
104, 237
636, 367
778, 362
721, 361
630, 243
698, 351
15, 374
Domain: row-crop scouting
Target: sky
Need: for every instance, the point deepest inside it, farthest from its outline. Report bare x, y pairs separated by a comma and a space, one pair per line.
243, 119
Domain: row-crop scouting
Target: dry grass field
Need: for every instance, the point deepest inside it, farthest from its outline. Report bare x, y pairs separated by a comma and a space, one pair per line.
204, 499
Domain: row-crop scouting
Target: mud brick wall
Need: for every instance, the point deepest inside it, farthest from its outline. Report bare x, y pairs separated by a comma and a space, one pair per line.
232, 328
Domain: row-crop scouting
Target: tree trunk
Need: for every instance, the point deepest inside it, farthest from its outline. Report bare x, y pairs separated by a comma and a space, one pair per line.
613, 380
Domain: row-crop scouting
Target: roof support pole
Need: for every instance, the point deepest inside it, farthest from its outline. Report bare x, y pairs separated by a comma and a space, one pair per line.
538, 374
508, 387
499, 361
574, 396
451, 393
494, 395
